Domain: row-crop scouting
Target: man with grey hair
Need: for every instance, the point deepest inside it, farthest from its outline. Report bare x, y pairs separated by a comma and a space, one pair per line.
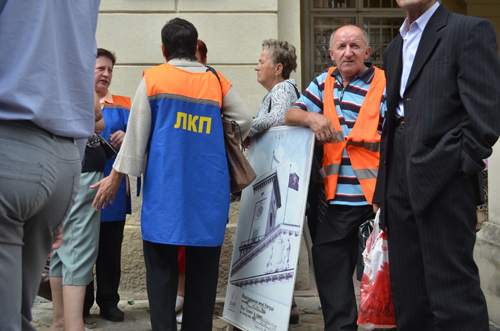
345, 107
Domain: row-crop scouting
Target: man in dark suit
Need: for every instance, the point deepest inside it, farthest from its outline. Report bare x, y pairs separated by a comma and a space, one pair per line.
443, 94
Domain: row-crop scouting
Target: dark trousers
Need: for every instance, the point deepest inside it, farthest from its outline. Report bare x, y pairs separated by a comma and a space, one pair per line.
335, 253
202, 271
108, 267
434, 279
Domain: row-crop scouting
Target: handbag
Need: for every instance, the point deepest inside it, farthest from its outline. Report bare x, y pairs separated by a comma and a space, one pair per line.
241, 173
375, 305
44, 290
109, 149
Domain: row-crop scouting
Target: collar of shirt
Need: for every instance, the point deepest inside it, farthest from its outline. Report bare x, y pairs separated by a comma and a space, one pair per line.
421, 22
107, 98
176, 62
366, 76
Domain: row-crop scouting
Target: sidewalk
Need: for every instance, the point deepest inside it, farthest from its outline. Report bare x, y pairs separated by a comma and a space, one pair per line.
137, 317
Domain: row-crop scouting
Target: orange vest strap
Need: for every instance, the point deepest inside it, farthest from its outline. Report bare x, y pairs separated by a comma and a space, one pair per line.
119, 100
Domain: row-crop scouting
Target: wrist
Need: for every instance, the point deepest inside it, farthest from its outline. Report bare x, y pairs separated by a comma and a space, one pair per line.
116, 176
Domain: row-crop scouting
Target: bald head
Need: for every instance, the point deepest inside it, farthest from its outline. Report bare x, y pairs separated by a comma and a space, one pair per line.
366, 37
349, 49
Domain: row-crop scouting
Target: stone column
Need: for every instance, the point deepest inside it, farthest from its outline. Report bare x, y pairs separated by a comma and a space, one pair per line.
487, 250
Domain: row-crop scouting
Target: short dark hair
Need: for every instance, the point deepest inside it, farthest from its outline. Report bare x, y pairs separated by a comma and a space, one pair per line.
106, 53
179, 38
202, 49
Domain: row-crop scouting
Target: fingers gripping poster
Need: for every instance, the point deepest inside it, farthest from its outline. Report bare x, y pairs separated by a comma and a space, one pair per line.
267, 241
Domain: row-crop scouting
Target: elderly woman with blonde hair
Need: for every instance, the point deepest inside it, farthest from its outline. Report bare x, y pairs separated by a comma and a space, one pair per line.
277, 61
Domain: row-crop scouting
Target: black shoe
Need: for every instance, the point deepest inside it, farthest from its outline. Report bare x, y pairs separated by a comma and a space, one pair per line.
112, 314
294, 319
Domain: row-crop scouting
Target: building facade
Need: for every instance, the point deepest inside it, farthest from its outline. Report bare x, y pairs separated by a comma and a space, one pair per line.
233, 31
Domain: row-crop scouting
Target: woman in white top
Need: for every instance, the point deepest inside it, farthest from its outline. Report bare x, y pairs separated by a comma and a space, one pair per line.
276, 62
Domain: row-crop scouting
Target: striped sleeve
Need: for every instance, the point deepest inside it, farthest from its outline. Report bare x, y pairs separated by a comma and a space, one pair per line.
312, 98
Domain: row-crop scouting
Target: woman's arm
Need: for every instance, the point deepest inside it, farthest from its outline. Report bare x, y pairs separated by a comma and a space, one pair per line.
282, 98
234, 109
130, 159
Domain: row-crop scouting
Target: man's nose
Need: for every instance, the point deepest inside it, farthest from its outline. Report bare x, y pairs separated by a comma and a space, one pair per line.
348, 51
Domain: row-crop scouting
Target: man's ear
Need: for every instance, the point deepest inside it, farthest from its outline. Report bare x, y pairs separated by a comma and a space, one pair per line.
367, 54
331, 54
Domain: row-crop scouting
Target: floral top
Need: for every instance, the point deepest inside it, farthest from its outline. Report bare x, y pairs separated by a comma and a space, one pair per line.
274, 106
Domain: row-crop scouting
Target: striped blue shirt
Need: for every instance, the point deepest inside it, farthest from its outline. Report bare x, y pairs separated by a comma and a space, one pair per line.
348, 102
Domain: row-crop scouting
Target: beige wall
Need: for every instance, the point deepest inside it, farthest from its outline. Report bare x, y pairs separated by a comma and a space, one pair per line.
232, 29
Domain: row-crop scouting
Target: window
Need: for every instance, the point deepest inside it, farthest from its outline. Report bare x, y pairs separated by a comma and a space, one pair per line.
380, 18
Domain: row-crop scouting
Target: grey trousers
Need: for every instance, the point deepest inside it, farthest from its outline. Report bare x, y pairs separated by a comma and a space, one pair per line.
39, 175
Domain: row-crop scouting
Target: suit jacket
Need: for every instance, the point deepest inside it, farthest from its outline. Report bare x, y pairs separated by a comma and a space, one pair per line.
451, 103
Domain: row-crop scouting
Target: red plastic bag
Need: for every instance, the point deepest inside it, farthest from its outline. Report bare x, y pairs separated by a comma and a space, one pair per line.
375, 306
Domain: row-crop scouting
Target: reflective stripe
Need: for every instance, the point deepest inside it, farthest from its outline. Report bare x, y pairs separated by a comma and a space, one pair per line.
372, 147
332, 169
340, 136
116, 107
182, 98
366, 173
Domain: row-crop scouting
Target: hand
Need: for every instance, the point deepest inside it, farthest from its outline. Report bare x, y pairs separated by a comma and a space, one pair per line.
322, 128
107, 190
117, 138
376, 207
246, 142
57, 241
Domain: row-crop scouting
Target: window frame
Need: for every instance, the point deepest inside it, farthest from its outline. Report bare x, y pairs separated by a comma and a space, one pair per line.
358, 13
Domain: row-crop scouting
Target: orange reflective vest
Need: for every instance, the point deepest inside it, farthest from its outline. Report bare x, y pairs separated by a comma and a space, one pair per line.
362, 144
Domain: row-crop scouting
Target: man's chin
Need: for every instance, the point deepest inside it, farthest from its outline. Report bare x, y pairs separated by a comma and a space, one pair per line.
349, 68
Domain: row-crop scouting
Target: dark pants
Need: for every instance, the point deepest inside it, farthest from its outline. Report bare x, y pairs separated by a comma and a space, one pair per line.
434, 279
202, 271
108, 267
335, 253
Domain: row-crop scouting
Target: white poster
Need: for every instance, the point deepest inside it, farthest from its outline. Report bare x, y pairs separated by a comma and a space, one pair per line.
267, 242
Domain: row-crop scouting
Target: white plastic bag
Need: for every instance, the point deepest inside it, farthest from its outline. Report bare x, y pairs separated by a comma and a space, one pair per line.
375, 306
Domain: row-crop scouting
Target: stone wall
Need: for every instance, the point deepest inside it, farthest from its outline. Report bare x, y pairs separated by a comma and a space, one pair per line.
487, 249
232, 29
133, 283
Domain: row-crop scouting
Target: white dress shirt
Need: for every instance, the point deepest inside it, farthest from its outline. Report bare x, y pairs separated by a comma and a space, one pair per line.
411, 38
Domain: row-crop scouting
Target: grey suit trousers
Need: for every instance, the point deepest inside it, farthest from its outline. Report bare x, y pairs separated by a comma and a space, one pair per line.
39, 175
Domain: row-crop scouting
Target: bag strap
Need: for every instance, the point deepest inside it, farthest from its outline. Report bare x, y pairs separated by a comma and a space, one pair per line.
296, 92
234, 123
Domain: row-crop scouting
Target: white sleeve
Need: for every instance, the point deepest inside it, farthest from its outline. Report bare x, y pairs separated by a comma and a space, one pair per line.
130, 159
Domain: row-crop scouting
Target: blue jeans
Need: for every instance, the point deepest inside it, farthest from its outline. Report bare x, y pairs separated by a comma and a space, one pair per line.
39, 175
